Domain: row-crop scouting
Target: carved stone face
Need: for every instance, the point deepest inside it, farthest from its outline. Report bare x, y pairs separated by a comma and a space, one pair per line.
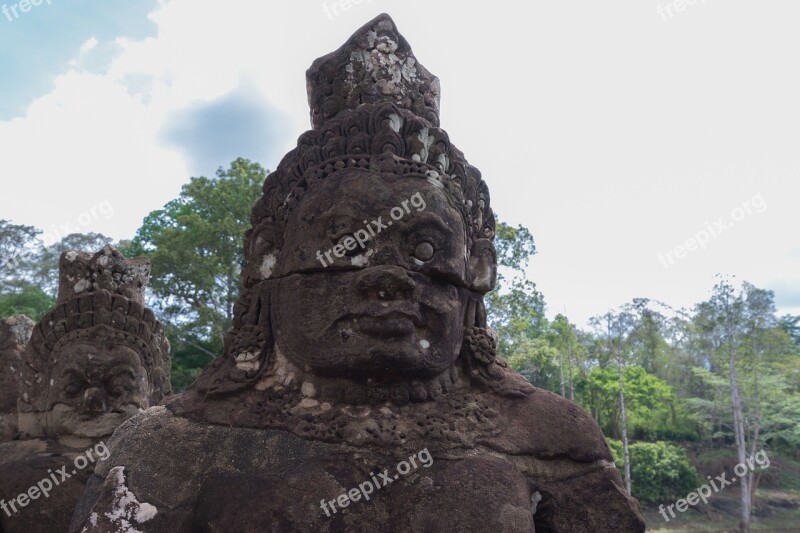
94, 387
389, 308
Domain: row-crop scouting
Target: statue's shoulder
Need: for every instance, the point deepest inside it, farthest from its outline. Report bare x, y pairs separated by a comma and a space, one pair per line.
547, 426
153, 419
151, 433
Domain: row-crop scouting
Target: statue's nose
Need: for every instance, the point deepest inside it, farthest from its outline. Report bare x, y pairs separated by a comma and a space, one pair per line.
95, 400
386, 254
386, 283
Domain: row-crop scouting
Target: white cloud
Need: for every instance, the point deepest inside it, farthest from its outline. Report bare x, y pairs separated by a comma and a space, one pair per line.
88, 45
97, 136
611, 134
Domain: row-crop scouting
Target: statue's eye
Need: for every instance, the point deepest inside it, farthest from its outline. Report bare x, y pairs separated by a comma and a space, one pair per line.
350, 245
73, 387
424, 251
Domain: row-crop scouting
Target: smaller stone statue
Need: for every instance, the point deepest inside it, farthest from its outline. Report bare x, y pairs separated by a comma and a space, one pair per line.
94, 361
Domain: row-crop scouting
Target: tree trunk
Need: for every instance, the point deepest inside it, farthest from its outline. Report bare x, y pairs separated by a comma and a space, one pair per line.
571, 383
752, 479
741, 445
624, 424
561, 371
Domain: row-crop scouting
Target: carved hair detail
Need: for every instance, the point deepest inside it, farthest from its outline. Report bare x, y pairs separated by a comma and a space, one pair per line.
373, 108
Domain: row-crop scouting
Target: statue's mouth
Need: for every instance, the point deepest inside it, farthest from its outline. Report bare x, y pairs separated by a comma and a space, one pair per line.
389, 313
391, 324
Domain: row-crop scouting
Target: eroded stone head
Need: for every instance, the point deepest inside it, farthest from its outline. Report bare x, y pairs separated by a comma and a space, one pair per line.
100, 356
82, 273
371, 247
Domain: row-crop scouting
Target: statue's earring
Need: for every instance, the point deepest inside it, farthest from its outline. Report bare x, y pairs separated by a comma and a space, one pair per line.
479, 353
480, 342
248, 347
480, 345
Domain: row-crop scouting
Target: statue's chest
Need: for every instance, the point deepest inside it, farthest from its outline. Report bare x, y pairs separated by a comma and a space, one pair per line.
362, 494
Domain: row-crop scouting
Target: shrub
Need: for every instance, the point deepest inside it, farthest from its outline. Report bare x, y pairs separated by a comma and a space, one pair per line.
659, 471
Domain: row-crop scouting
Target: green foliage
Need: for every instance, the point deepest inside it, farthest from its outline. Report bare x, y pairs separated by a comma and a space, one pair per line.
652, 408
791, 325
517, 315
660, 472
712, 411
31, 301
29, 270
516, 308
189, 357
195, 244
18, 244
739, 326
196, 247
514, 246
536, 360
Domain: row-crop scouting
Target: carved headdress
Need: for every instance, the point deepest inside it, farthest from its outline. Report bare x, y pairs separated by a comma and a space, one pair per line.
373, 108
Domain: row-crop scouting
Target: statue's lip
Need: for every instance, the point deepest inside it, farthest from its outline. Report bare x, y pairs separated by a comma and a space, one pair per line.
393, 312
388, 324
399, 314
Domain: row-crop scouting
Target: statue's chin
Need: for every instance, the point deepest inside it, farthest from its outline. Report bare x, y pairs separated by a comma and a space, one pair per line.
63, 419
395, 349
388, 363
384, 365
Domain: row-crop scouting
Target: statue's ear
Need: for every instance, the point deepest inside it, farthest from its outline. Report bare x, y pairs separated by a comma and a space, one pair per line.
483, 266
248, 346
160, 386
262, 247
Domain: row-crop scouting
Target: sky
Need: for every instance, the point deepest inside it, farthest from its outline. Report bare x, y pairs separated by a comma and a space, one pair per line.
648, 145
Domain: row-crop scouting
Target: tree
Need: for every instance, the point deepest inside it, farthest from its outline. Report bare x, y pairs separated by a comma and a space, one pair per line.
516, 308
650, 403
18, 243
30, 301
791, 325
615, 330
723, 318
562, 336
750, 346
195, 244
535, 360
31, 268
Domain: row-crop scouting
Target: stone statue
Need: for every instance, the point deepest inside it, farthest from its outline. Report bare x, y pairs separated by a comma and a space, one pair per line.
15, 332
97, 359
360, 388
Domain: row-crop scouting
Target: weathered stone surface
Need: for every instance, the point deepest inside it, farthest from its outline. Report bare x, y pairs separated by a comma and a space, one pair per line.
361, 341
25, 464
15, 332
376, 65
94, 361
108, 269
